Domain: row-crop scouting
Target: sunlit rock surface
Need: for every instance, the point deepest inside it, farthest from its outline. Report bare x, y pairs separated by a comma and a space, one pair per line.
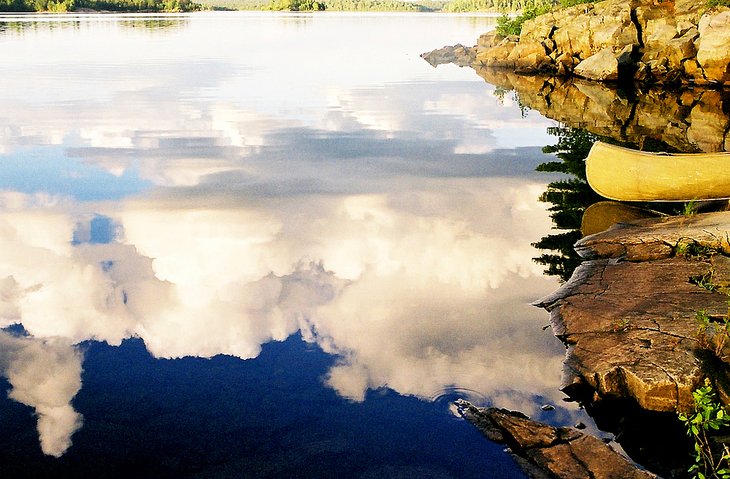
660, 42
550, 452
628, 314
714, 47
648, 239
602, 66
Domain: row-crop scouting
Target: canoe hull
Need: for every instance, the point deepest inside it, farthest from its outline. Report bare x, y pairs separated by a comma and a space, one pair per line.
602, 215
623, 174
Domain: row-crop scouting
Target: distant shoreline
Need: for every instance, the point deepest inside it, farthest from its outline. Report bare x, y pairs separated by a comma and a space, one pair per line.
214, 10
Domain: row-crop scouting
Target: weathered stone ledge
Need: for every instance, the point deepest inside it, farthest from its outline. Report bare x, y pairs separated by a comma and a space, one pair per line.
628, 314
546, 452
648, 239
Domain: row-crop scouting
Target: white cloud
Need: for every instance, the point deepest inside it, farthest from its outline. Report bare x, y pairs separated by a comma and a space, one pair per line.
58, 289
418, 289
417, 283
45, 374
424, 285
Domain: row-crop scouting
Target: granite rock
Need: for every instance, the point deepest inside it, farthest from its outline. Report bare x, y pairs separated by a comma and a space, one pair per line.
628, 315
670, 42
547, 452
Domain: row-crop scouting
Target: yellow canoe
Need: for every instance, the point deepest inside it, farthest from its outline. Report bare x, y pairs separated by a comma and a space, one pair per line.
604, 214
629, 175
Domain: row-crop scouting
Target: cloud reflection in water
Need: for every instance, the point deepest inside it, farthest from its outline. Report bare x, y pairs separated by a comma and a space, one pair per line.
45, 374
415, 290
391, 229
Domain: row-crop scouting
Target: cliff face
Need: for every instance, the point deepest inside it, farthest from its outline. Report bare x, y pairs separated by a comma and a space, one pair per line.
661, 42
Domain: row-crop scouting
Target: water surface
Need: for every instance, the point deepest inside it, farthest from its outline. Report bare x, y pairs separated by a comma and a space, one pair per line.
258, 245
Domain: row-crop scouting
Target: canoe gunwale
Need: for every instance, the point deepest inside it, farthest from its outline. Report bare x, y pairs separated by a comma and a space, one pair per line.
623, 174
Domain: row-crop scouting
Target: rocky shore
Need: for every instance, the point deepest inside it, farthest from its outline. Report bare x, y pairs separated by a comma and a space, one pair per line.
644, 317
629, 313
546, 452
637, 348
657, 42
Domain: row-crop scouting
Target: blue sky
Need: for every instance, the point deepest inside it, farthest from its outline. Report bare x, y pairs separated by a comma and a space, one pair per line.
47, 169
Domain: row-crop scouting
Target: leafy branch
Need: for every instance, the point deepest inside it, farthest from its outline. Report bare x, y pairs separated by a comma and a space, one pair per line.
708, 415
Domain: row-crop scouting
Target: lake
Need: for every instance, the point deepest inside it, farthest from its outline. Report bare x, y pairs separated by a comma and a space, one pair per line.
265, 245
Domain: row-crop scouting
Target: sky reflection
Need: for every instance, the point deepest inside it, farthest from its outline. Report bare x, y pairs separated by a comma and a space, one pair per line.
207, 211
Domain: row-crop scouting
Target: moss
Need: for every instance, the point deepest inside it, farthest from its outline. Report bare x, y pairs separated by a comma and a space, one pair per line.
717, 3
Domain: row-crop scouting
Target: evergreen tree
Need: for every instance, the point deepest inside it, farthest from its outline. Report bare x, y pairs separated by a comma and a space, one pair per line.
569, 198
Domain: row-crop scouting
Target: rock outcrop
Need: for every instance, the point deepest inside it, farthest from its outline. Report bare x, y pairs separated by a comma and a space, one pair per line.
457, 54
629, 314
663, 42
547, 452
714, 45
604, 65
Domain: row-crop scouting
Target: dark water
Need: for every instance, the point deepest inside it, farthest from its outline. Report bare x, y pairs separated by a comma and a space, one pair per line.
223, 417
253, 245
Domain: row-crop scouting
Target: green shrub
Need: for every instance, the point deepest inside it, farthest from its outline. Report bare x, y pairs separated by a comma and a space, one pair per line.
513, 26
708, 415
713, 331
570, 3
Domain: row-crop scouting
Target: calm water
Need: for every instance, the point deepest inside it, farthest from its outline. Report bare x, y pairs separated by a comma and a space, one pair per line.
254, 245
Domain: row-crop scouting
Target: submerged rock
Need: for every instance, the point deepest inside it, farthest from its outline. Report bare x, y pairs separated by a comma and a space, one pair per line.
546, 452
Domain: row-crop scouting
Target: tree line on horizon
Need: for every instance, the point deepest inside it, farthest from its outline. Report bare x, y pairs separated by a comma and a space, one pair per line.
498, 6
330, 5
355, 5
277, 5
451, 6
110, 5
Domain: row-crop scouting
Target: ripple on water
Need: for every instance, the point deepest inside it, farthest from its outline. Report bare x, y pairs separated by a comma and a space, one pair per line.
445, 398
